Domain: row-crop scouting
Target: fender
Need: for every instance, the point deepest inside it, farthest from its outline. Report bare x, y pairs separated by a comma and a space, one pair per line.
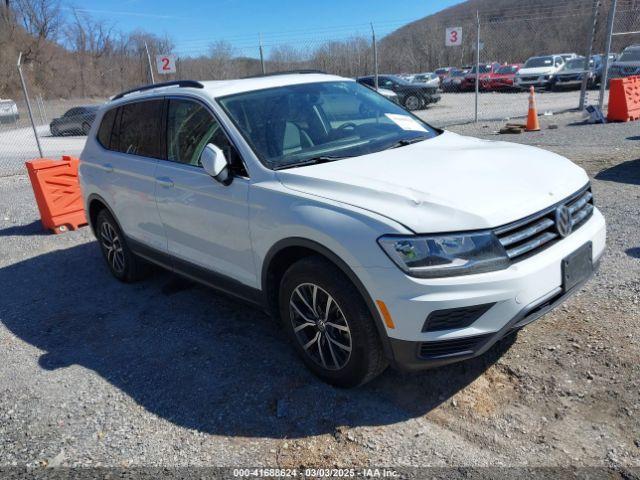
337, 261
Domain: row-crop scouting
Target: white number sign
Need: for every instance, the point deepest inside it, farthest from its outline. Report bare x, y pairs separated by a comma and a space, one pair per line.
453, 37
166, 64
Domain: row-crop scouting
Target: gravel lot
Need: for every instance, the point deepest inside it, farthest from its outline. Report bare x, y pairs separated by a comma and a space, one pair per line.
167, 373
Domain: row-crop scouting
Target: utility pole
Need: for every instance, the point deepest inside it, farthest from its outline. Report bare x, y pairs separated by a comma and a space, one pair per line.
605, 64
264, 70
375, 57
146, 47
477, 64
589, 51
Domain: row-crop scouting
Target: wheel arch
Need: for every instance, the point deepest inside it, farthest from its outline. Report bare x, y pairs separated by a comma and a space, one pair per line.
286, 252
95, 203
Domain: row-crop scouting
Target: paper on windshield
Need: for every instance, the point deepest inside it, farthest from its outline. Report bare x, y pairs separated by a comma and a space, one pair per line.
405, 122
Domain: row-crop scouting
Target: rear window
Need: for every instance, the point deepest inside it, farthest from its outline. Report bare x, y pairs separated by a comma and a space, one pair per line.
104, 132
139, 129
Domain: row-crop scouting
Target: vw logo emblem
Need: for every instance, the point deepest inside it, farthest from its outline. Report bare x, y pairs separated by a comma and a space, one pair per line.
564, 221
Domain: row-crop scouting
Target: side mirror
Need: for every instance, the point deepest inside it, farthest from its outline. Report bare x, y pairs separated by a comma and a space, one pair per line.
215, 164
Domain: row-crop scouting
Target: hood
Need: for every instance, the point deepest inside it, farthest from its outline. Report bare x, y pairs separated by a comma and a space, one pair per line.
448, 183
537, 71
571, 71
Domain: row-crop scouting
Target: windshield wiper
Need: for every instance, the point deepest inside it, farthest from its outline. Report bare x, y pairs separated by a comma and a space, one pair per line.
310, 161
406, 141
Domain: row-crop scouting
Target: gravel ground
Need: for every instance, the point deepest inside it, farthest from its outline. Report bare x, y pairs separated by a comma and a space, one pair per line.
167, 373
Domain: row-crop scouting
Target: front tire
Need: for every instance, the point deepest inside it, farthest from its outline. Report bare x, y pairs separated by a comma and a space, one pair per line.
329, 323
121, 261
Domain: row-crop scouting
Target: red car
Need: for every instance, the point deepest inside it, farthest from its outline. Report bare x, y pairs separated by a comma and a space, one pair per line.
502, 79
486, 71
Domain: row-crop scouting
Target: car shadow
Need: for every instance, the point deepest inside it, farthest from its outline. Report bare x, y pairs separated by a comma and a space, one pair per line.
625, 172
196, 358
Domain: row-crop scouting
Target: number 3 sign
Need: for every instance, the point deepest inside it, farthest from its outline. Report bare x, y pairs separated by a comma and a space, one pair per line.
453, 37
166, 64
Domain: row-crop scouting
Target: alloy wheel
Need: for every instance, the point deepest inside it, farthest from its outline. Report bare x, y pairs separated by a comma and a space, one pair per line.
113, 247
320, 326
412, 103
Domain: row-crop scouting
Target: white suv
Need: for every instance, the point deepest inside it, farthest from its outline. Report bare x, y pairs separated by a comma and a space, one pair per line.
373, 236
539, 72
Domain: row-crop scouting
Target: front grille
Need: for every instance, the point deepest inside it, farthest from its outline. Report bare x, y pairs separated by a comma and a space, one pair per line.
533, 234
447, 348
529, 79
450, 318
568, 78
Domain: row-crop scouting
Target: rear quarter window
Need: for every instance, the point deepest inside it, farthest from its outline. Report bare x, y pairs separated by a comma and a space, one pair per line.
106, 126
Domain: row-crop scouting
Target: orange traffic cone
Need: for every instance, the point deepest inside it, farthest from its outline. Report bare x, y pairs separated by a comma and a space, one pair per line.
532, 117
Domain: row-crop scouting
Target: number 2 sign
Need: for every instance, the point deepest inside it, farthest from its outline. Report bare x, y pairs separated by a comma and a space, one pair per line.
453, 37
166, 64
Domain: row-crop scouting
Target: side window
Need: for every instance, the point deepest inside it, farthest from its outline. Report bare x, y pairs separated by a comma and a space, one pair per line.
190, 127
139, 130
104, 132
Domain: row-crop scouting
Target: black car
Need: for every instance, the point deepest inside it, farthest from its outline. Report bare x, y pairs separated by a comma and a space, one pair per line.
412, 96
76, 121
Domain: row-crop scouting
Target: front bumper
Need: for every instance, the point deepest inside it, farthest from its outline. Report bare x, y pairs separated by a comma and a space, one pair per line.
537, 82
517, 295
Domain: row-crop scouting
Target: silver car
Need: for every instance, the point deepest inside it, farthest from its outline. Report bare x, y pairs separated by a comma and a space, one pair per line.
429, 79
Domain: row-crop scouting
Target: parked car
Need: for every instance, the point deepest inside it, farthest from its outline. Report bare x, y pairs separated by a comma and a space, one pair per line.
573, 72
329, 207
429, 79
599, 61
8, 111
390, 95
539, 72
412, 96
75, 121
453, 80
443, 72
486, 70
627, 64
502, 79
569, 56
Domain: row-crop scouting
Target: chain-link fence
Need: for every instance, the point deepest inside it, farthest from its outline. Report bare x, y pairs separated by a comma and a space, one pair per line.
421, 56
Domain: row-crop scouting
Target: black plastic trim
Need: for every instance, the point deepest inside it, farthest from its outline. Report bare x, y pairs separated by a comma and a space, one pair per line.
459, 317
302, 71
342, 265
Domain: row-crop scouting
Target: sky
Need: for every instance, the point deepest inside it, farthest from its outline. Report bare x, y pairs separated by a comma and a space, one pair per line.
194, 24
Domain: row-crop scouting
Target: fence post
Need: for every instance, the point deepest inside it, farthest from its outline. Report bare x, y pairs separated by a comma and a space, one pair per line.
589, 50
264, 70
146, 47
375, 57
26, 98
607, 51
477, 65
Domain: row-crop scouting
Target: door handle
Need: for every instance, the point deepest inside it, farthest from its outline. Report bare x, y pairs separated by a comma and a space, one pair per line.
108, 167
165, 182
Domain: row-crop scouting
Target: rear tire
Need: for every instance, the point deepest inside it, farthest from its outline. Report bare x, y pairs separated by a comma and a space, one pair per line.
121, 261
412, 102
340, 344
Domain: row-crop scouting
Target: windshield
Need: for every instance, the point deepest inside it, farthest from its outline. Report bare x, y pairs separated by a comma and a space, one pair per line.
458, 73
297, 123
483, 69
507, 69
630, 55
577, 63
539, 62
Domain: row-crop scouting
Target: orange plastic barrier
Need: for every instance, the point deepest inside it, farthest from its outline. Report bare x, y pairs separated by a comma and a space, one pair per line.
624, 99
57, 191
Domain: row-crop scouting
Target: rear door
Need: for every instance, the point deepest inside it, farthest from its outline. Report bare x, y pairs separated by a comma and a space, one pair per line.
206, 223
126, 166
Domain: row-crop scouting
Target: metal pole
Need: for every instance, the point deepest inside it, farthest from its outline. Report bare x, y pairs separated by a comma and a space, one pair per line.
149, 59
605, 64
477, 65
264, 70
375, 57
589, 51
26, 98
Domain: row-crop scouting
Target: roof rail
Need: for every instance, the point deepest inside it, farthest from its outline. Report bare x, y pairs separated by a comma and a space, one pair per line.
176, 83
286, 72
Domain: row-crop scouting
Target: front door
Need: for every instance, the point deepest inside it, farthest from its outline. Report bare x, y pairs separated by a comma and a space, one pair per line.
206, 223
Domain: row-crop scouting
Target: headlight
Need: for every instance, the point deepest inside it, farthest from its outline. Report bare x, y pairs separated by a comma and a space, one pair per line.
445, 255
